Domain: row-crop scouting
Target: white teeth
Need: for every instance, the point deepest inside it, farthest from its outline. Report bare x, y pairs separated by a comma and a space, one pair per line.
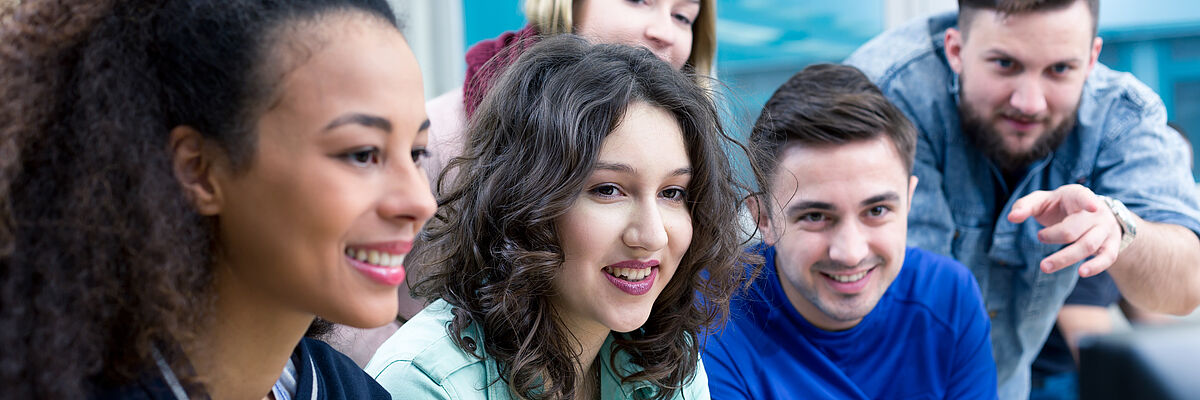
848, 278
629, 274
376, 257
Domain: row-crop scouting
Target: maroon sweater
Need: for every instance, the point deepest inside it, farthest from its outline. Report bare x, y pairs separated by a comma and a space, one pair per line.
488, 59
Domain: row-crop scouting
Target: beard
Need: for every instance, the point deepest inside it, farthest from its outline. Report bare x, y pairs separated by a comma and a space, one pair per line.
985, 137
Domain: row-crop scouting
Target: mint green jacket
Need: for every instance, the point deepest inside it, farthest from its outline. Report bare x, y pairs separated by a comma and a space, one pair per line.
421, 361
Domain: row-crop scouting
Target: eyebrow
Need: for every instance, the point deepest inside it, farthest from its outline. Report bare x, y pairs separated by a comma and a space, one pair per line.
1002, 53
820, 205
625, 168
879, 198
366, 120
810, 205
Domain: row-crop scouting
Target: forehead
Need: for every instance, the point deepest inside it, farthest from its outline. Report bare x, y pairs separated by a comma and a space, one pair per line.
1058, 33
645, 132
851, 171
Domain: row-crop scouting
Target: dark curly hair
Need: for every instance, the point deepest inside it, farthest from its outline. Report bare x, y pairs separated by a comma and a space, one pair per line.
492, 251
102, 258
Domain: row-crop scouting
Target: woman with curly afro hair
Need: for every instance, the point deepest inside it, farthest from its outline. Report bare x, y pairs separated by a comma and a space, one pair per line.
594, 208
186, 184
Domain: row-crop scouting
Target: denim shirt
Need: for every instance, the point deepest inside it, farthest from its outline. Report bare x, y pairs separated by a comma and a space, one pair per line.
421, 361
1121, 147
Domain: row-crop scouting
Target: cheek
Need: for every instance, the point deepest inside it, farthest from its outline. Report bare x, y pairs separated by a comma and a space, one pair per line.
579, 230
683, 50
679, 232
1064, 98
798, 251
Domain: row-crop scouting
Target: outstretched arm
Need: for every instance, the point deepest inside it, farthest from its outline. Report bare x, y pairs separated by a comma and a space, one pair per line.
1160, 270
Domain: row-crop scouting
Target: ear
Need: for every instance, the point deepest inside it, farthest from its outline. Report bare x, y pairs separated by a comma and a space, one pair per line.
762, 218
1097, 44
912, 188
192, 160
954, 43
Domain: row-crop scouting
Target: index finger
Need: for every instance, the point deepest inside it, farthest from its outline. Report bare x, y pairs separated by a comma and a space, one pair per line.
1029, 205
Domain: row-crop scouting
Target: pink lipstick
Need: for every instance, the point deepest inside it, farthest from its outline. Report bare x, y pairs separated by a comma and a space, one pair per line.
380, 262
636, 288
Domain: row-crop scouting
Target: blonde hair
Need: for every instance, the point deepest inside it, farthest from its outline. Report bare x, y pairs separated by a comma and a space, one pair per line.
552, 17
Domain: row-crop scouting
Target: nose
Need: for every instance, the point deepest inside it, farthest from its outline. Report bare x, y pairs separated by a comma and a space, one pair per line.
660, 31
849, 245
646, 229
408, 197
1028, 97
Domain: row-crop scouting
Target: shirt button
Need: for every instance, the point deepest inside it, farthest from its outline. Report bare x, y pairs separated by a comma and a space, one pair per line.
470, 343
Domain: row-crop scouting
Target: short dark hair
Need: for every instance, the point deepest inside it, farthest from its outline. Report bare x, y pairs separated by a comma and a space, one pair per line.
493, 250
828, 104
968, 8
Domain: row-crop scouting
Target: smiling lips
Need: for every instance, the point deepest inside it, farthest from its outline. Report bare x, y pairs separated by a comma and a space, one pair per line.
632, 276
848, 283
382, 262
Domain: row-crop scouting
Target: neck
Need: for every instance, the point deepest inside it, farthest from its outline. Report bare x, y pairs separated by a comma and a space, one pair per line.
589, 338
245, 347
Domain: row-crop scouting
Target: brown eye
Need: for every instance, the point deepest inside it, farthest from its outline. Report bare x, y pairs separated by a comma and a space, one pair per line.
674, 194
364, 157
419, 154
606, 190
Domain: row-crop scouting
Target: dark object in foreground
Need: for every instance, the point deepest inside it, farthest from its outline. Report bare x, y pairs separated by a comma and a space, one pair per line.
1147, 363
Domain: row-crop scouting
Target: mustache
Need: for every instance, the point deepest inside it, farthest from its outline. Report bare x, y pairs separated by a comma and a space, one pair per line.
1012, 113
834, 266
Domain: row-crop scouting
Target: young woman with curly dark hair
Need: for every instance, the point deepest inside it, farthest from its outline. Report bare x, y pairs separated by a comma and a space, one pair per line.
566, 261
185, 184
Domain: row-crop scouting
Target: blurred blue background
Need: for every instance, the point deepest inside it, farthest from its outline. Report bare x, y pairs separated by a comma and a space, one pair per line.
763, 42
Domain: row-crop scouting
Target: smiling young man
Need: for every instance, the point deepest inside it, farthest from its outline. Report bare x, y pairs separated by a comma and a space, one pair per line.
1039, 165
842, 309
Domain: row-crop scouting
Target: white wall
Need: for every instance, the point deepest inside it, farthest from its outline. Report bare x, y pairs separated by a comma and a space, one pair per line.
897, 12
434, 29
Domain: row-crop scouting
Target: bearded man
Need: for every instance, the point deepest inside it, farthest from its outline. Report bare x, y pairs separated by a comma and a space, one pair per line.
1039, 165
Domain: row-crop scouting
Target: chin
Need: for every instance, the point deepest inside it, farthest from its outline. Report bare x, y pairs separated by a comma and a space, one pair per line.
373, 317
629, 323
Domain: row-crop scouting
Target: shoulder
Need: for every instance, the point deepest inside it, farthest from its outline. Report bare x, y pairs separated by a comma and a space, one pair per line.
148, 387
913, 47
927, 271
1113, 103
446, 110
338, 375
697, 386
753, 317
1106, 86
939, 284
749, 305
447, 132
422, 357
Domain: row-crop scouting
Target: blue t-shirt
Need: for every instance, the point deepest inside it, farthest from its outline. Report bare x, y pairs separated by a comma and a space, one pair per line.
927, 338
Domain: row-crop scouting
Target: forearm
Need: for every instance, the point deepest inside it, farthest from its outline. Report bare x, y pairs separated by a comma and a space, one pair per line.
1077, 320
1160, 270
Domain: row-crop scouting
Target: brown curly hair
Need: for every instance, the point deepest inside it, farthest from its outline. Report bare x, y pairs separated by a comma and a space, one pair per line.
102, 258
492, 251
